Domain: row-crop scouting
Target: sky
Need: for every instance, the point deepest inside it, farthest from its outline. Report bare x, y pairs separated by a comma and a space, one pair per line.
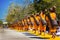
4, 4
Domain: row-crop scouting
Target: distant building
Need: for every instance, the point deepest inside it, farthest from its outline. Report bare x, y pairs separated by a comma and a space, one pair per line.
5, 24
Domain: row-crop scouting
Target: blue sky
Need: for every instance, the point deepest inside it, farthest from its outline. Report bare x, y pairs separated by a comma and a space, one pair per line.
4, 4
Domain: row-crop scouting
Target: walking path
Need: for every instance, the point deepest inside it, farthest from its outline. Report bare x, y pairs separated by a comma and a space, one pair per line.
7, 34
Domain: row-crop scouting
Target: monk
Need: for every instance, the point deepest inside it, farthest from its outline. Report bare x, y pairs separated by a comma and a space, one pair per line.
33, 24
42, 22
22, 23
52, 21
25, 25
19, 25
37, 21
29, 23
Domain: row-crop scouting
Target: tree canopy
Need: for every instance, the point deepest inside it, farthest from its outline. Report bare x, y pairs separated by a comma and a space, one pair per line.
17, 12
1, 22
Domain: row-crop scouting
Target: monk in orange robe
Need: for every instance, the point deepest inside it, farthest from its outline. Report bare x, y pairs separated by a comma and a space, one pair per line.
37, 21
52, 22
29, 22
23, 24
42, 22
26, 26
33, 23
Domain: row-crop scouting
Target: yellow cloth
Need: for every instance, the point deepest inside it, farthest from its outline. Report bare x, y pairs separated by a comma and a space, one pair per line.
53, 16
43, 16
56, 38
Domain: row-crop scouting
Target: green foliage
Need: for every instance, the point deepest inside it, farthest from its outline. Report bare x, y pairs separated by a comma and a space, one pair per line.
40, 5
1, 22
46, 4
47, 0
16, 12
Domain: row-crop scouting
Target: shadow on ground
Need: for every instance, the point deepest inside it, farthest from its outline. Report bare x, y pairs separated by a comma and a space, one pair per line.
33, 36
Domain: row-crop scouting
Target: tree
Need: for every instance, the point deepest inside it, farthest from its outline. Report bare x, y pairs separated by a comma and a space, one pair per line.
14, 12
28, 8
1, 22
17, 12
46, 4
40, 5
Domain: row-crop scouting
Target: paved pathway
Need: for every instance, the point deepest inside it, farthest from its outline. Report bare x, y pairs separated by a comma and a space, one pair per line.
7, 34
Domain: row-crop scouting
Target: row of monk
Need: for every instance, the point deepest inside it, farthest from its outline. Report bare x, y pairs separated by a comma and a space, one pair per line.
40, 22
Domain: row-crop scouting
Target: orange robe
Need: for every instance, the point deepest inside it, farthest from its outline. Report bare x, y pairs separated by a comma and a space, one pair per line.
33, 23
25, 26
53, 17
28, 23
42, 27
